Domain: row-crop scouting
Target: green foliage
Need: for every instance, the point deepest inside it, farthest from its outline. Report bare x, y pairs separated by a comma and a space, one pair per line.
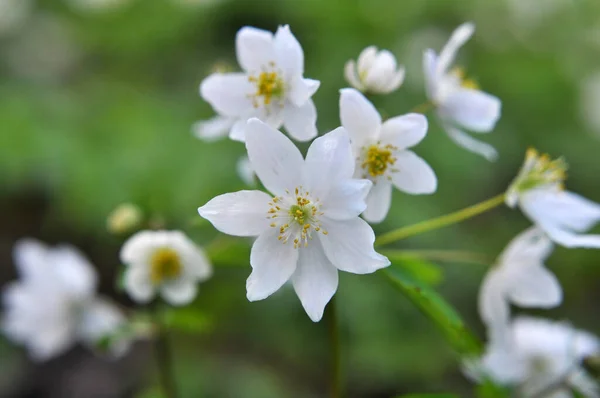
488, 389
420, 269
428, 396
185, 320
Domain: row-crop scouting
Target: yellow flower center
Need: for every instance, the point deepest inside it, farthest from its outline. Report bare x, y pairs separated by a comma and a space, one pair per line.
378, 159
539, 169
465, 82
296, 215
165, 264
269, 85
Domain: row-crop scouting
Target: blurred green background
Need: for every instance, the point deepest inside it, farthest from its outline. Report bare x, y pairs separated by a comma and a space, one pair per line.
97, 102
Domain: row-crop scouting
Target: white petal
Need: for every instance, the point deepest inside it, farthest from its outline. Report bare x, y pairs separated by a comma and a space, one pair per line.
273, 263
213, 129
383, 67
196, 265
238, 130
351, 75
138, 284
471, 144
228, 93
315, 280
275, 159
290, 57
242, 213
494, 309
404, 131
179, 292
75, 273
394, 81
328, 161
472, 109
431, 79
301, 122
378, 201
349, 246
101, 319
245, 171
531, 245
31, 259
346, 199
137, 247
254, 48
366, 59
458, 38
534, 286
359, 117
414, 175
302, 90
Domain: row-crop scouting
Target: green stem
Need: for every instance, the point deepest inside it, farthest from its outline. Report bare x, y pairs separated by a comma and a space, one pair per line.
334, 342
164, 363
423, 108
453, 256
439, 222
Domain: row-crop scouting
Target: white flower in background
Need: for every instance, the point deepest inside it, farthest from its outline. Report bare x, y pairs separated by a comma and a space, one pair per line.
213, 129
381, 152
309, 229
589, 100
13, 13
245, 171
165, 262
541, 358
54, 304
376, 72
539, 191
125, 218
519, 277
271, 87
458, 101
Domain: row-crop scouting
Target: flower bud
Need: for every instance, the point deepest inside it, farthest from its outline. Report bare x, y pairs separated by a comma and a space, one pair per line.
125, 218
376, 72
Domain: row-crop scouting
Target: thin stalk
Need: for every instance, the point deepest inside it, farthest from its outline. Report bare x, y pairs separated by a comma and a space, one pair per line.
335, 349
164, 363
440, 222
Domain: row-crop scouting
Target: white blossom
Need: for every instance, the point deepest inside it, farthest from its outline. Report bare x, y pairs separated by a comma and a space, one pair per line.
539, 192
519, 277
213, 129
382, 154
375, 72
541, 358
165, 262
54, 304
271, 86
458, 101
309, 228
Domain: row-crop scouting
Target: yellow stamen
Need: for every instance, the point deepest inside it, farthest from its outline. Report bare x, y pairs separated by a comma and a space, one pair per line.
378, 159
165, 264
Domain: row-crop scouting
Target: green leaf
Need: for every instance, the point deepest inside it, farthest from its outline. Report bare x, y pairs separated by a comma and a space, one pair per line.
428, 396
224, 251
422, 270
120, 279
488, 389
437, 309
187, 320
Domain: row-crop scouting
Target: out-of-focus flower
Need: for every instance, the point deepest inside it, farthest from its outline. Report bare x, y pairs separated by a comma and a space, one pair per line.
375, 72
13, 13
590, 101
539, 358
213, 129
309, 229
539, 191
245, 171
54, 304
381, 152
519, 277
97, 5
167, 262
125, 218
271, 87
458, 101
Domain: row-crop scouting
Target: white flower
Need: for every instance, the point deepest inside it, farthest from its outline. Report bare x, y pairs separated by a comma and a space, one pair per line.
309, 229
245, 171
53, 305
459, 104
163, 261
381, 153
376, 72
13, 13
271, 87
213, 129
537, 355
538, 191
519, 277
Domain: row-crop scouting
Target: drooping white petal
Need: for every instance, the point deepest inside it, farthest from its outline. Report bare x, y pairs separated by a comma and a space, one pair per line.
349, 246
315, 280
301, 122
471, 144
273, 263
102, 318
414, 175
531, 245
245, 171
138, 284
179, 292
351, 75
534, 286
379, 201
31, 259
290, 57
458, 38
242, 213
404, 131
228, 93
329, 159
276, 160
366, 59
429, 73
74, 272
238, 130
346, 199
254, 48
359, 117
473, 110
301, 90
494, 308
213, 129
